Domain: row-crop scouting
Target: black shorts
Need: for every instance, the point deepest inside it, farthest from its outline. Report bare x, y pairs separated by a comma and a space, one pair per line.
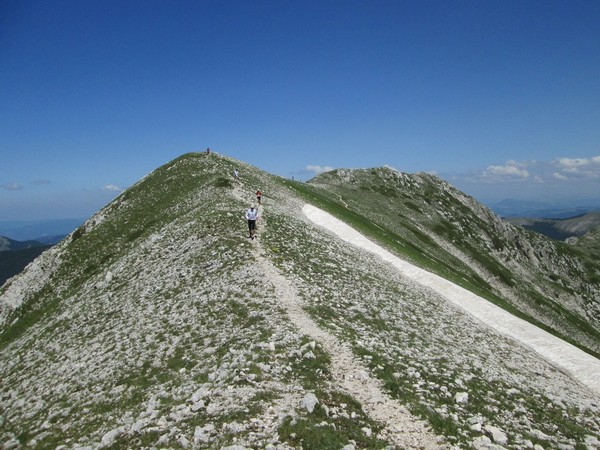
252, 225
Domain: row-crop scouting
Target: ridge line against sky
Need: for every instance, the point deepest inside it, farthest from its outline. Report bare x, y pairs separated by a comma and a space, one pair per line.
501, 99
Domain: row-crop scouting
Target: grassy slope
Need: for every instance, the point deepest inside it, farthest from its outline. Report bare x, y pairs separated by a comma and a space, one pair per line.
403, 219
185, 310
590, 243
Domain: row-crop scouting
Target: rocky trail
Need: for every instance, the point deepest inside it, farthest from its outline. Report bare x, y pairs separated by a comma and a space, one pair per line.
348, 373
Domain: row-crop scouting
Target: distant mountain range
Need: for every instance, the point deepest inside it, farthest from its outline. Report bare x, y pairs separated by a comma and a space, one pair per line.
7, 244
45, 231
24, 240
556, 210
560, 229
15, 255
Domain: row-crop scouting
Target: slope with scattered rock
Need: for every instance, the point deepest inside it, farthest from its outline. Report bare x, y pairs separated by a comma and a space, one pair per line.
441, 229
159, 324
589, 243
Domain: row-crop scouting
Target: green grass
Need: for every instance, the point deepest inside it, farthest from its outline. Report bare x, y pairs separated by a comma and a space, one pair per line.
319, 431
311, 372
44, 304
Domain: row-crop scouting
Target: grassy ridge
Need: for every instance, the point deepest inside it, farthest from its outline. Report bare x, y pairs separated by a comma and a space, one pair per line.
418, 248
187, 333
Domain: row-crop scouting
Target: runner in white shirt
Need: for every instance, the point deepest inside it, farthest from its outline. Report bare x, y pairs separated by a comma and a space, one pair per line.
251, 217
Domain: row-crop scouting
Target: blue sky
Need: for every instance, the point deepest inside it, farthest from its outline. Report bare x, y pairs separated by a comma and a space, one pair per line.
500, 98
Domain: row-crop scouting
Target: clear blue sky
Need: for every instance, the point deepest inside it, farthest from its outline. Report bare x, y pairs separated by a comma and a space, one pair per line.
500, 98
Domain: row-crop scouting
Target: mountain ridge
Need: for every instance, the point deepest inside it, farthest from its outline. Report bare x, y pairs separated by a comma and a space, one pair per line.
45, 231
579, 364
560, 229
7, 244
454, 230
155, 325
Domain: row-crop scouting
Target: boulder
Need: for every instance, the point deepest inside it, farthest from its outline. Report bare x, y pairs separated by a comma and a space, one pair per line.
461, 397
496, 434
203, 434
310, 401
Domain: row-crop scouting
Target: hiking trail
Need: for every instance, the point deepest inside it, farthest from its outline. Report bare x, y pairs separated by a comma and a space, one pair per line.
348, 373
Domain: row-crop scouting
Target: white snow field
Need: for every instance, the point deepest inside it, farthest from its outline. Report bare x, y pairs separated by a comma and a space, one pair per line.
578, 364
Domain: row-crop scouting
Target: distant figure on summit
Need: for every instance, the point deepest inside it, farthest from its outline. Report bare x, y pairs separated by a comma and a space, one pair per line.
252, 217
208, 151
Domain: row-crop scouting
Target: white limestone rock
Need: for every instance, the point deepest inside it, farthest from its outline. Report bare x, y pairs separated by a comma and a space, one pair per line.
310, 401
496, 434
200, 393
203, 434
109, 438
540, 435
476, 427
461, 397
592, 442
198, 405
485, 443
565, 447
140, 425
183, 441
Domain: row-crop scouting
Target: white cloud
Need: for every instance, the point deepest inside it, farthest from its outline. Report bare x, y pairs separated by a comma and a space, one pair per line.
112, 187
14, 186
565, 168
318, 169
542, 179
510, 170
573, 164
579, 167
560, 176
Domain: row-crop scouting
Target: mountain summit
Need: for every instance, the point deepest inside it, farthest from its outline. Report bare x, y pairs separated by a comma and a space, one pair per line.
159, 324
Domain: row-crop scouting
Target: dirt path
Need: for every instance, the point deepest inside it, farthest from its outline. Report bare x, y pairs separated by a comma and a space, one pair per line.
349, 374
